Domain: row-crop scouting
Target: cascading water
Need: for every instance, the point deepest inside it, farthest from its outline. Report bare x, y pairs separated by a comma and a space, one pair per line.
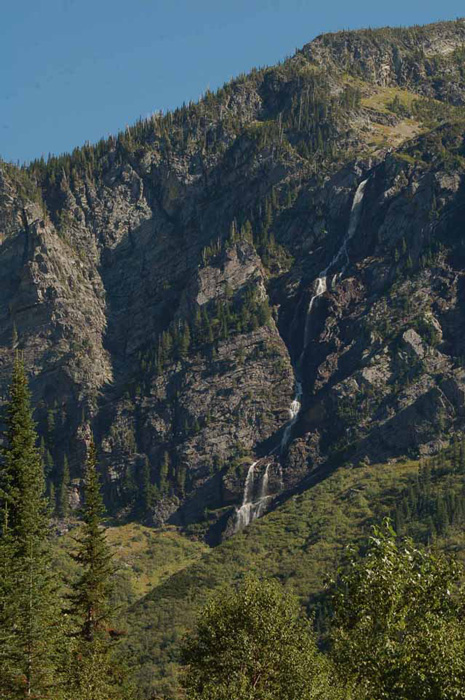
321, 287
261, 503
355, 214
322, 279
243, 514
251, 509
293, 414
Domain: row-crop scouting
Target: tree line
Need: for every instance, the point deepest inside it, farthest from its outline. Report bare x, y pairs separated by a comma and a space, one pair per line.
433, 503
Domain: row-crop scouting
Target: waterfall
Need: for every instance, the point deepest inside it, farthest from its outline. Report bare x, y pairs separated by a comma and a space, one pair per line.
354, 220
261, 503
293, 415
321, 287
251, 509
265, 480
244, 513
322, 279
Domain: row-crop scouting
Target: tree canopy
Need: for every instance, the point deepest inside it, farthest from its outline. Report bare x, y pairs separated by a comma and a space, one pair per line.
398, 629
254, 642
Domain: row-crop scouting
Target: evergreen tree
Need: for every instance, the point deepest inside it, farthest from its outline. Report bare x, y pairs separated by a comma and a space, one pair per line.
462, 456
47, 460
147, 490
181, 478
92, 675
51, 425
14, 336
28, 605
63, 492
52, 500
129, 486
164, 473
183, 340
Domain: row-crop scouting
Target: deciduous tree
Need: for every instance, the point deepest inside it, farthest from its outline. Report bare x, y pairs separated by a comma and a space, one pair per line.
254, 643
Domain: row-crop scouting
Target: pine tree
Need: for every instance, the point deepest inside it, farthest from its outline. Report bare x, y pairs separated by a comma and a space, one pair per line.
147, 491
462, 456
129, 486
51, 425
47, 459
184, 341
14, 336
164, 472
91, 674
181, 479
63, 492
29, 611
52, 500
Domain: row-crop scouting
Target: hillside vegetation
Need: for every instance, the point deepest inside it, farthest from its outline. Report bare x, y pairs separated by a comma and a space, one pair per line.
255, 304
302, 544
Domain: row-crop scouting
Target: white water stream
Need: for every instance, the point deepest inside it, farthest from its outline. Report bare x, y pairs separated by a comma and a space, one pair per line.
322, 279
321, 287
293, 415
251, 509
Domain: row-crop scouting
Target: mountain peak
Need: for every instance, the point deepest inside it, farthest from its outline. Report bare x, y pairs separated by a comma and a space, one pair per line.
386, 55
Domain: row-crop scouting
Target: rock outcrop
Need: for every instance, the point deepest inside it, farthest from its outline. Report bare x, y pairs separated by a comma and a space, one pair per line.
166, 286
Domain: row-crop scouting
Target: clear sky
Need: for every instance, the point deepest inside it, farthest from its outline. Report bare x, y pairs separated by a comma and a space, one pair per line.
75, 70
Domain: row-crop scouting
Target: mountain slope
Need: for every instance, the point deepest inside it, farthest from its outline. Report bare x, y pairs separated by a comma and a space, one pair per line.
290, 242
301, 543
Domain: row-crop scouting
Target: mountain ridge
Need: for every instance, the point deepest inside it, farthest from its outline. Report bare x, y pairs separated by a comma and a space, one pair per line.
159, 282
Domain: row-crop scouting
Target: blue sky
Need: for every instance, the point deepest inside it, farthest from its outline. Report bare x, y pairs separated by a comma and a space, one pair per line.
75, 70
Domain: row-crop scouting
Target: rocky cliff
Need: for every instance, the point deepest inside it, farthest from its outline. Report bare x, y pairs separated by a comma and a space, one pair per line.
272, 274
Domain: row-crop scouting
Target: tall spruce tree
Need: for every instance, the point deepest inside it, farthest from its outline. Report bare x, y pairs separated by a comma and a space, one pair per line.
29, 613
92, 674
63, 492
148, 491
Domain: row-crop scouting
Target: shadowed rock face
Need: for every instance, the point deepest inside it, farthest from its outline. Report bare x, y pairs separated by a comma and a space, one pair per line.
163, 285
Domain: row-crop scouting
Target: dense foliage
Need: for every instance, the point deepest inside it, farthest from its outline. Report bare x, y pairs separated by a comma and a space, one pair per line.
29, 611
47, 651
300, 543
397, 632
398, 622
395, 612
254, 642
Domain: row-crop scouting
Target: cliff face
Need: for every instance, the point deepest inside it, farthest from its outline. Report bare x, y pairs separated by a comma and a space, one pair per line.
427, 59
289, 247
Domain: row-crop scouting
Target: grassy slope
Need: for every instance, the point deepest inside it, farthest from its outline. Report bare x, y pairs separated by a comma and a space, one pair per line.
144, 557
300, 544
